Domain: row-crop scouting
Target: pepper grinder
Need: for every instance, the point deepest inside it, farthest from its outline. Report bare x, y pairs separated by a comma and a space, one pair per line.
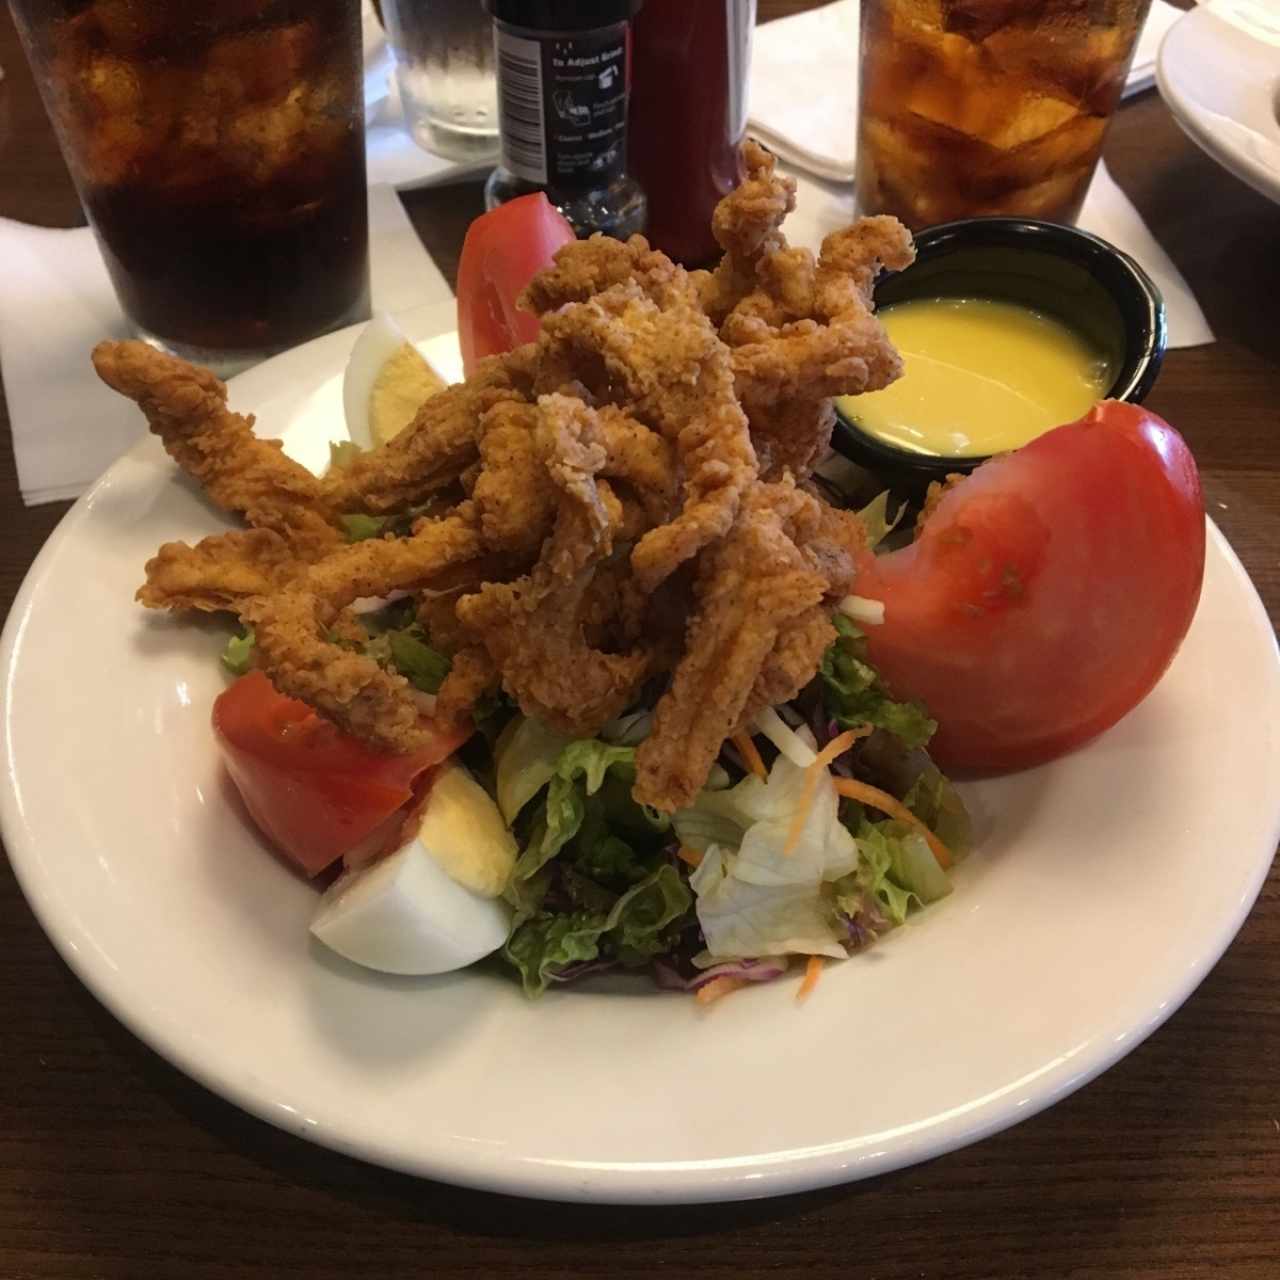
563, 81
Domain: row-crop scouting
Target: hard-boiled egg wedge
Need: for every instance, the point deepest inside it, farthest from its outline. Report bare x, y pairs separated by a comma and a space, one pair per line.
386, 381
432, 906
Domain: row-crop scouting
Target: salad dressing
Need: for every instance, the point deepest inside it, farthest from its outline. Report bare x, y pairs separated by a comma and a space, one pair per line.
981, 376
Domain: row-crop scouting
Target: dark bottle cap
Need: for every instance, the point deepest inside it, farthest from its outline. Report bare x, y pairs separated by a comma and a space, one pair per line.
562, 15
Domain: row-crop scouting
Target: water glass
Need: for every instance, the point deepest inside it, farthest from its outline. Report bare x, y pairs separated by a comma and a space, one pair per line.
445, 73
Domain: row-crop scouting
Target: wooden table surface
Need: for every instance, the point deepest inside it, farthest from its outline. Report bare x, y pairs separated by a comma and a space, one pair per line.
113, 1164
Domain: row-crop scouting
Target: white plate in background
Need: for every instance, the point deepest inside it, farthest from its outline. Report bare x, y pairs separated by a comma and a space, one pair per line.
1219, 74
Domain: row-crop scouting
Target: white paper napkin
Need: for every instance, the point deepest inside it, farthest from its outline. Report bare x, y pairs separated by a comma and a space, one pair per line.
57, 302
804, 83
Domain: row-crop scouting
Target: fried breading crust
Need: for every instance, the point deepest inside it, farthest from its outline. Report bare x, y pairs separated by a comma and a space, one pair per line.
350, 688
750, 586
220, 573
633, 498
187, 408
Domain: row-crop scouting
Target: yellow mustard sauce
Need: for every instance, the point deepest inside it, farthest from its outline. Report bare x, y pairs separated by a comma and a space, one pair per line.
980, 377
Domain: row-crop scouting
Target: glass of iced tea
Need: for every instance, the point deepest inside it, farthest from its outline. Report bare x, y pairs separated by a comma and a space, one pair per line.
218, 149
972, 107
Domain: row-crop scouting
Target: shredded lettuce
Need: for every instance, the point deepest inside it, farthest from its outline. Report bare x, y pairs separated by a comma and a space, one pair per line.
358, 527
342, 453
424, 667
933, 798
398, 641
590, 760
525, 759
855, 694
876, 519
592, 882
762, 891
579, 774
636, 927
628, 730
542, 947
754, 818
912, 864
743, 920
896, 868
237, 657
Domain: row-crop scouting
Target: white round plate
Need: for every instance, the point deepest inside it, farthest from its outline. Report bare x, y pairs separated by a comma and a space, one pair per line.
1105, 887
1219, 73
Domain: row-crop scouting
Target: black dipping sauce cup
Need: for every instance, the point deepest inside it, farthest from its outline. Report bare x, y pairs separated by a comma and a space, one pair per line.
1078, 279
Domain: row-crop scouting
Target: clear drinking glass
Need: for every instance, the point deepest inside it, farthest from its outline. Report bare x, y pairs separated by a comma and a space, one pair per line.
445, 72
972, 107
218, 149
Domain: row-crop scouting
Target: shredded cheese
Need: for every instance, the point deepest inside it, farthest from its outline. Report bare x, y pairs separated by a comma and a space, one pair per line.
812, 972
750, 754
866, 794
718, 987
787, 740
862, 609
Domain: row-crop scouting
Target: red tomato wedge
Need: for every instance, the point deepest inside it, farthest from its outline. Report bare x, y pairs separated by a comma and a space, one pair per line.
504, 249
314, 790
1048, 592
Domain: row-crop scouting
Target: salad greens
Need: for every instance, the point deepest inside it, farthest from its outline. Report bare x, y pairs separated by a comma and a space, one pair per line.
855, 694
237, 656
393, 638
359, 526
593, 882
753, 870
636, 928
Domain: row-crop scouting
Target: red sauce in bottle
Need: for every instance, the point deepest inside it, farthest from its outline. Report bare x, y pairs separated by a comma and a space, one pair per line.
687, 117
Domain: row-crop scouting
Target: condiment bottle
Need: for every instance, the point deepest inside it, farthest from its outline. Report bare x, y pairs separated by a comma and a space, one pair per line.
563, 79
688, 115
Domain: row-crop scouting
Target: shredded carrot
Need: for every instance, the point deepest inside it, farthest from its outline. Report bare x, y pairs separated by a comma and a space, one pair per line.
812, 972
692, 856
864, 793
718, 987
835, 748
750, 754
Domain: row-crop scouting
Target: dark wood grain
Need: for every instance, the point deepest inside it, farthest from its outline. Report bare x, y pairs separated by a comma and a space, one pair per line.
113, 1165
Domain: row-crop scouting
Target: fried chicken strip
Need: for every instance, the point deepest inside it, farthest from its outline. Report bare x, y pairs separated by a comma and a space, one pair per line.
534, 629
221, 573
746, 225
802, 330
674, 375
470, 677
840, 348
186, 407
792, 663
536, 641
513, 493
584, 268
750, 586
350, 688
436, 448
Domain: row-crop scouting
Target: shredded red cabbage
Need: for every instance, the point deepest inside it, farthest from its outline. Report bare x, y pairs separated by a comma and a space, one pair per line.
765, 969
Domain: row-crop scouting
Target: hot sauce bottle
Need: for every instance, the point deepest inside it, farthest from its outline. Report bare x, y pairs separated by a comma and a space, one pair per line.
688, 116
563, 80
